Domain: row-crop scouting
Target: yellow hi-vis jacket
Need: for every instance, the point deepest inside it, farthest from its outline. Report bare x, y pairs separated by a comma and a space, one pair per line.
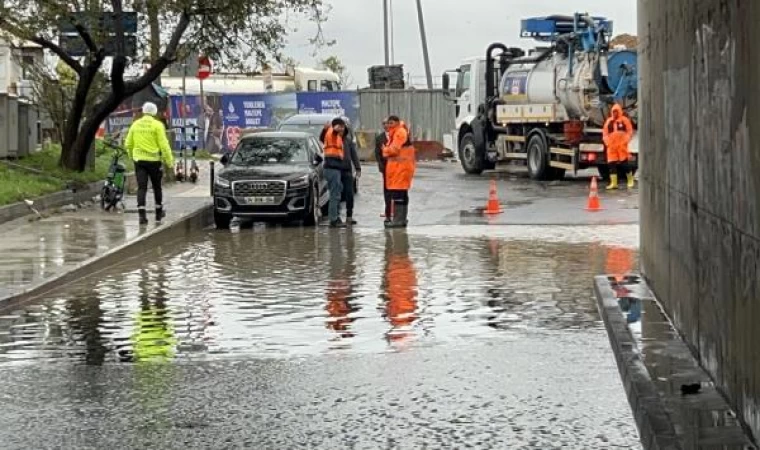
146, 141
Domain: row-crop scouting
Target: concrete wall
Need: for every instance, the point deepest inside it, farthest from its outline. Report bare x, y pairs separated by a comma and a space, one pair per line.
700, 146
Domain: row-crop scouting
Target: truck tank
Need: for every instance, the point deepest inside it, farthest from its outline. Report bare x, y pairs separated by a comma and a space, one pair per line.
583, 95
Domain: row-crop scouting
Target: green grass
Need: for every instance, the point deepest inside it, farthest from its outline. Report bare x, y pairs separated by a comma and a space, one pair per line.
18, 184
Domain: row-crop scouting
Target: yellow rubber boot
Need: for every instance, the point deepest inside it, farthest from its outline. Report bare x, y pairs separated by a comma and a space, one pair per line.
631, 180
613, 182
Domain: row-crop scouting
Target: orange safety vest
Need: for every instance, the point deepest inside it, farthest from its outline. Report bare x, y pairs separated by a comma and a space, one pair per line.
333, 144
401, 160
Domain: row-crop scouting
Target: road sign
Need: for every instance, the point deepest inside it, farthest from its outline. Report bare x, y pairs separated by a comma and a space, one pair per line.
95, 23
204, 68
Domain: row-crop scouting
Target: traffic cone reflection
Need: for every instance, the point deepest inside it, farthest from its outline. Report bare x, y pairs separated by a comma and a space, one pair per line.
493, 206
593, 197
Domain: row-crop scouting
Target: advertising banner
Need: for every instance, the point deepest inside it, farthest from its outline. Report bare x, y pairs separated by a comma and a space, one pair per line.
253, 111
334, 103
205, 114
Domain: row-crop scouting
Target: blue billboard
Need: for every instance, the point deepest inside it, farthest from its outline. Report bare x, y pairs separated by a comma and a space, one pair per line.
335, 103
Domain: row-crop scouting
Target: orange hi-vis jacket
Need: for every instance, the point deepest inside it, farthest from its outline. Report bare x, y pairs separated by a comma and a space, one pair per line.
401, 160
617, 134
333, 144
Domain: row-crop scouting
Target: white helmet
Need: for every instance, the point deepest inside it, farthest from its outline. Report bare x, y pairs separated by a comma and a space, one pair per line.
150, 108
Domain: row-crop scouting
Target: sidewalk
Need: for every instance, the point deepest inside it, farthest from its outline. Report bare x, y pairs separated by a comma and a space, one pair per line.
33, 252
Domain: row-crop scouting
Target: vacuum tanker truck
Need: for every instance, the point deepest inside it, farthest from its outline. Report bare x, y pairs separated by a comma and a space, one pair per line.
545, 107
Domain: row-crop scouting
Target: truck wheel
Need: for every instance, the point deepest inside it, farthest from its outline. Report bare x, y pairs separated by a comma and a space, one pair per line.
222, 220
538, 161
472, 163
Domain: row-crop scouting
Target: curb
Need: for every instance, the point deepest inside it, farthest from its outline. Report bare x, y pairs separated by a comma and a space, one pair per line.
660, 375
655, 428
199, 218
55, 200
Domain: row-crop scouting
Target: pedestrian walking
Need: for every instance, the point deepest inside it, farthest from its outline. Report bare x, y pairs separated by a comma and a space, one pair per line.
333, 168
399, 171
381, 140
617, 134
351, 164
148, 147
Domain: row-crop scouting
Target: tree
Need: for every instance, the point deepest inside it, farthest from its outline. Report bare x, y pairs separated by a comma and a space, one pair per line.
334, 64
235, 33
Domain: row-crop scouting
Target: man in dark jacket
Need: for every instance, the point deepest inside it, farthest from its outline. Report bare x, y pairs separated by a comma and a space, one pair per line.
380, 141
350, 163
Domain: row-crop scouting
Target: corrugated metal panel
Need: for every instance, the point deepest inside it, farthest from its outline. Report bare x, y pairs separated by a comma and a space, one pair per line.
429, 114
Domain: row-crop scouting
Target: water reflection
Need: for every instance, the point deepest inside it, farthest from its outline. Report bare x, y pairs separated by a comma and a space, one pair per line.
294, 291
399, 288
153, 338
341, 303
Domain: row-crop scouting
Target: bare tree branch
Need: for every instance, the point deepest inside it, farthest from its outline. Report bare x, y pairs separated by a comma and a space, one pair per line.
14, 30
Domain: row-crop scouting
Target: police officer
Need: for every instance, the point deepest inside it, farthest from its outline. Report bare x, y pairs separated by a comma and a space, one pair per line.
148, 147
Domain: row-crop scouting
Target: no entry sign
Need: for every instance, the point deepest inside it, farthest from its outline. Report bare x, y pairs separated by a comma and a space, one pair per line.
204, 67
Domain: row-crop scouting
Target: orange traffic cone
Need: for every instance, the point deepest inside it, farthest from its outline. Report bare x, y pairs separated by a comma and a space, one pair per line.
493, 206
593, 197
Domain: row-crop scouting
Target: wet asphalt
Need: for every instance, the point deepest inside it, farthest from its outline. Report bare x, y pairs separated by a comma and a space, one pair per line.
461, 332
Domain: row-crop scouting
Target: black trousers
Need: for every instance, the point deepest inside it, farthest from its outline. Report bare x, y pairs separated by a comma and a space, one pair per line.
149, 171
348, 191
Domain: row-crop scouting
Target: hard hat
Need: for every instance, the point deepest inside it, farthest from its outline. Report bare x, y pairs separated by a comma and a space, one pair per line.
150, 108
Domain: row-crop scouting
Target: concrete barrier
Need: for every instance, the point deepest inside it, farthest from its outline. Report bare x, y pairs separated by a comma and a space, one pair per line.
173, 232
56, 200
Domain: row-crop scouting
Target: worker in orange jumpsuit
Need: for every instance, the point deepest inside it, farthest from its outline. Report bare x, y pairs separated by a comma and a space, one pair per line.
399, 171
620, 263
617, 134
400, 287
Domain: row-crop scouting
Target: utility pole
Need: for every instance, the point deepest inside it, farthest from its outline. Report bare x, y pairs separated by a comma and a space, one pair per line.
385, 35
425, 55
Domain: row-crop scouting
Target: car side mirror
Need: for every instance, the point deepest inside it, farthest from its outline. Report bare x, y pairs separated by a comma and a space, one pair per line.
225, 159
316, 160
446, 82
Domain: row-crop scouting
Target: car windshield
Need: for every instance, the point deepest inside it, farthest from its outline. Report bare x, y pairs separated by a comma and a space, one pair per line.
257, 151
314, 130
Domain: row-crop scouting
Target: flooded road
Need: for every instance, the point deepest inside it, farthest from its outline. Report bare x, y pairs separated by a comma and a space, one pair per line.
278, 337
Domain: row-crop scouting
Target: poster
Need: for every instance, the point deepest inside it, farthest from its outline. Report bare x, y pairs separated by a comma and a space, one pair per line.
252, 111
203, 114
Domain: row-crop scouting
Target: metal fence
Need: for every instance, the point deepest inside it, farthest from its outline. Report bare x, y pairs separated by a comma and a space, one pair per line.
429, 114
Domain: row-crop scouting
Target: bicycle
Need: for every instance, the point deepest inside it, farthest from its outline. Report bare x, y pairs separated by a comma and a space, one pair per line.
112, 192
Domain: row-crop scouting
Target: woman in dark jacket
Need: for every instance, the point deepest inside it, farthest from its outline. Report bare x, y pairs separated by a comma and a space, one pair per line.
351, 164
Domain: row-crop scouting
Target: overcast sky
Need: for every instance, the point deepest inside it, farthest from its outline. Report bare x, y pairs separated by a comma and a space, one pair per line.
456, 29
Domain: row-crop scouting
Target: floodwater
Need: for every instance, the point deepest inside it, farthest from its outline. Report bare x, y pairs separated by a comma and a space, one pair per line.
508, 323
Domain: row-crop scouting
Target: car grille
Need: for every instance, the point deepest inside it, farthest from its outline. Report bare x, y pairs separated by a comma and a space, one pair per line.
259, 189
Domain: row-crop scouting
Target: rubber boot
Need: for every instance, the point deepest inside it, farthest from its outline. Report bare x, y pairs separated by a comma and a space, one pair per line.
160, 214
399, 217
143, 216
613, 182
631, 180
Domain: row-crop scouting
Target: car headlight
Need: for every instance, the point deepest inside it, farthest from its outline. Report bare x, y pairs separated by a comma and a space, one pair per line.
299, 182
222, 183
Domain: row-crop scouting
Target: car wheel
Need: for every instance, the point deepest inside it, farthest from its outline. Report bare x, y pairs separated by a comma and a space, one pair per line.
222, 220
313, 213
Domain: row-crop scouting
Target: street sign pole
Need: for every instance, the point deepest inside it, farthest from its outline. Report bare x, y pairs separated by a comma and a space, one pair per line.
183, 122
203, 122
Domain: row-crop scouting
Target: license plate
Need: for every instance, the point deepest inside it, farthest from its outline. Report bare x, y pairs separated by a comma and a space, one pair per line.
259, 200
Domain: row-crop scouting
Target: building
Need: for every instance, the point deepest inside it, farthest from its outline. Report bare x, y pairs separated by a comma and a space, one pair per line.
19, 116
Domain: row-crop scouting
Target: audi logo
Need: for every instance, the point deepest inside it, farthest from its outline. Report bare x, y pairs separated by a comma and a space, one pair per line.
259, 186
